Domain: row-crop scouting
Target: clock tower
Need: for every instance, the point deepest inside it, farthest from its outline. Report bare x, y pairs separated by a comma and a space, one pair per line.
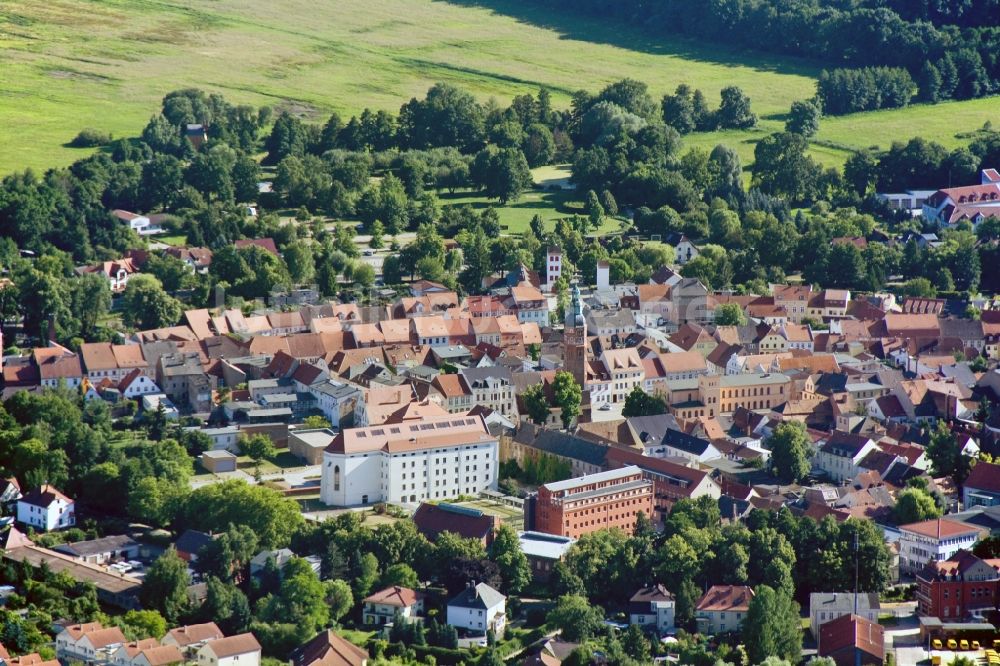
575, 340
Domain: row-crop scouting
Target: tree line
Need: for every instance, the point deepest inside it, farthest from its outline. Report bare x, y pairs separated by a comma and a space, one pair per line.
948, 48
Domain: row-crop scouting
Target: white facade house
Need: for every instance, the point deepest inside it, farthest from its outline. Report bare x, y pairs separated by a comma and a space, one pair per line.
827, 606
435, 458
140, 224
381, 607
685, 251
90, 642
840, 456
239, 650
934, 540
492, 388
652, 607
479, 609
336, 400
136, 385
46, 509
225, 438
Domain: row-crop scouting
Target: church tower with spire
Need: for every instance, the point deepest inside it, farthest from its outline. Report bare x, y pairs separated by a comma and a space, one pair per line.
575, 340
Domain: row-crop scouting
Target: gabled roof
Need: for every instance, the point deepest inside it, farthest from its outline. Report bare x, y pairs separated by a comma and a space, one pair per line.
44, 497
852, 632
652, 593
329, 649
984, 476
233, 645
162, 654
561, 444
397, 596
264, 243
726, 598
432, 519
104, 637
191, 541
481, 596
195, 633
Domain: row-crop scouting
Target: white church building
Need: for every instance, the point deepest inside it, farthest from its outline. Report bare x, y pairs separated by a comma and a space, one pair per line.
435, 458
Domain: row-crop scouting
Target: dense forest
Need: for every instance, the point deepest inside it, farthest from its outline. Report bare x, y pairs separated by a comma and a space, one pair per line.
951, 48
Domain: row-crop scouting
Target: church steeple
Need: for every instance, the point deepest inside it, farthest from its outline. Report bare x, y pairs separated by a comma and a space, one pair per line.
575, 339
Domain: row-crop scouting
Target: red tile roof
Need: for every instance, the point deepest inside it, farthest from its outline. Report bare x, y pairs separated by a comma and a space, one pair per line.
854, 632
397, 595
984, 476
726, 598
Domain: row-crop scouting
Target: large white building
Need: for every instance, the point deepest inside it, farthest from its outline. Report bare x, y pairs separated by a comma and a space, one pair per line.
934, 540
435, 458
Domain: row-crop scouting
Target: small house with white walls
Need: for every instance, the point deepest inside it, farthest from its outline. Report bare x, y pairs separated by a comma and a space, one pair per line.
140, 224
479, 609
135, 384
239, 650
652, 607
46, 509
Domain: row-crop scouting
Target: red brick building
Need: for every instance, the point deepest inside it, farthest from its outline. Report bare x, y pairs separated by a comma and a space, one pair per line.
954, 588
589, 503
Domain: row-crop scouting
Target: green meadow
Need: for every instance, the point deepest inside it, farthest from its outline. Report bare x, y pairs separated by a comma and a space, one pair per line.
105, 64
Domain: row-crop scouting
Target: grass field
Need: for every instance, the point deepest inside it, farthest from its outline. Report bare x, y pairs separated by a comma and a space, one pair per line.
507, 514
69, 64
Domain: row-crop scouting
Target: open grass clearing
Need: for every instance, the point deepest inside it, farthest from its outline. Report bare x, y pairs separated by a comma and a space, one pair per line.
105, 64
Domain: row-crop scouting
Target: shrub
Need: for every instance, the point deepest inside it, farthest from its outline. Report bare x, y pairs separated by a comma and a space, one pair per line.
91, 138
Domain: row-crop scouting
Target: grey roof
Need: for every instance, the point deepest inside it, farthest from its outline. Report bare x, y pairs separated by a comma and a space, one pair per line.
652, 429
450, 351
963, 329
481, 596
280, 557
610, 475
97, 546
608, 490
318, 438
676, 439
265, 383
219, 454
544, 546
837, 601
620, 318
561, 444
192, 541
334, 390
476, 375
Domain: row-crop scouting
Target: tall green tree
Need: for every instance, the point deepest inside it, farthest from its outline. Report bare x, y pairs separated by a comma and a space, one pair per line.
146, 305
506, 552
803, 118
568, 397
790, 451
503, 173
729, 314
164, 588
575, 618
772, 628
536, 403
640, 403
914, 505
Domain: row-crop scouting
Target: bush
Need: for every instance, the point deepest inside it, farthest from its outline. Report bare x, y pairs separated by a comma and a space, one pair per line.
91, 138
